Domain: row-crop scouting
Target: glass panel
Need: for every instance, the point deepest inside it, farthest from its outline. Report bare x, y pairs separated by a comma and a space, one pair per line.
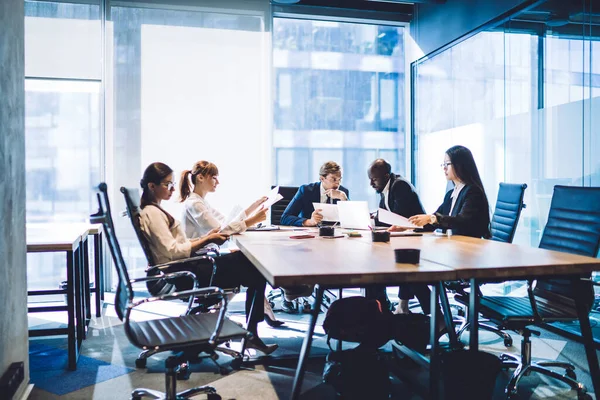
179, 94
339, 95
62, 40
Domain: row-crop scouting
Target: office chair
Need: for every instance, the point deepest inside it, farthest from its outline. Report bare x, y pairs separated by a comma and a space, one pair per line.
187, 335
277, 209
573, 227
159, 287
504, 226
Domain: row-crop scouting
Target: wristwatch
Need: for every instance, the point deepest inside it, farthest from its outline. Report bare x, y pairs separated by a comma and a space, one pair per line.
432, 219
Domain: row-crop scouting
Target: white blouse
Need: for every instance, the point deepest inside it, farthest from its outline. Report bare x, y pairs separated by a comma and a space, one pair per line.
166, 244
200, 217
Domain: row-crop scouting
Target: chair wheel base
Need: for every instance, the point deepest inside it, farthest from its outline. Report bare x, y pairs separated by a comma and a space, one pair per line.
140, 363
508, 342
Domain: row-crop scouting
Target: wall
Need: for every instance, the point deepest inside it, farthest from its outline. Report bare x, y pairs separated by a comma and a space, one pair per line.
13, 294
435, 25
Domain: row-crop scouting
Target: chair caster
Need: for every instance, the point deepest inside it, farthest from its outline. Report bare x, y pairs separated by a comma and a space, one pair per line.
136, 398
583, 396
183, 372
140, 363
213, 396
236, 364
508, 342
223, 371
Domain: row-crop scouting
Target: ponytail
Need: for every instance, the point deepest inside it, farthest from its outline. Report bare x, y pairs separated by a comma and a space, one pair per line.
185, 186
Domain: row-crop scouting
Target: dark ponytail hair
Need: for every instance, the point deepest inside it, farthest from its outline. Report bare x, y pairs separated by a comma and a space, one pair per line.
465, 168
154, 173
188, 177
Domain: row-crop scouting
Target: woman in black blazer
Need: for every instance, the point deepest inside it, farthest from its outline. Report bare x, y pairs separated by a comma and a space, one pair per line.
465, 210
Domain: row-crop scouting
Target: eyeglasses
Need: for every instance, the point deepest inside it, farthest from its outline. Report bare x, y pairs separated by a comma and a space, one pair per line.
445, 164
169, 185
333, 179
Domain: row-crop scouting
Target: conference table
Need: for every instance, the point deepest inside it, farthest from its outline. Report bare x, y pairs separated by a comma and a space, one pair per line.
358, 262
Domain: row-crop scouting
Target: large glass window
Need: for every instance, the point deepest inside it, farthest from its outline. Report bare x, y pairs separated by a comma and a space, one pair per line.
523, 97
187, 85
339, 95
62, 121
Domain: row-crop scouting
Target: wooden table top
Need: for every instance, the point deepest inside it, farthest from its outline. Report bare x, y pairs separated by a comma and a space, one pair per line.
358, 261
50, 237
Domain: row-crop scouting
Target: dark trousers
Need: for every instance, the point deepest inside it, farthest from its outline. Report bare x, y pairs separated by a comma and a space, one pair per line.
406, 291
233, 269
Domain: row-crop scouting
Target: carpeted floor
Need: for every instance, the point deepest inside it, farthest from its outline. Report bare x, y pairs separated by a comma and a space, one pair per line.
109, 348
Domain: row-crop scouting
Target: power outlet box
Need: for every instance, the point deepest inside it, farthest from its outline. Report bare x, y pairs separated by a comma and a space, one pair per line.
11, 380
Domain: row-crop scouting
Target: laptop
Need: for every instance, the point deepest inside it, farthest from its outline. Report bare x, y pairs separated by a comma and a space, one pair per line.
354, 214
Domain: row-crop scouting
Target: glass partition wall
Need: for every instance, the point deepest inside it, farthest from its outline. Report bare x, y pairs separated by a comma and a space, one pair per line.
524, 97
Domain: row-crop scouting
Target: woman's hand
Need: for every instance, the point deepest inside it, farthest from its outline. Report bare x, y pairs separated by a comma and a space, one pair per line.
336, 194
420, 220
255, 205
259, 216
217, 238
396, 228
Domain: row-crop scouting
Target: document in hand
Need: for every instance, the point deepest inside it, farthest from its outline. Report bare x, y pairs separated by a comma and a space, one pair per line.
272, 197
329, 211
391, 218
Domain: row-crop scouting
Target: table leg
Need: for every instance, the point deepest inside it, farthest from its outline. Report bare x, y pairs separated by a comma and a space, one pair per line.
72, 336
79, 294
473, 316
98, 283
86, 280
447, 311
586, 333
434, 367
307, 344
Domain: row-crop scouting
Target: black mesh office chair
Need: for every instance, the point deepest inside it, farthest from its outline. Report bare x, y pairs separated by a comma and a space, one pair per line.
158, 287
573, 227
277, 209
507, 213
187, 336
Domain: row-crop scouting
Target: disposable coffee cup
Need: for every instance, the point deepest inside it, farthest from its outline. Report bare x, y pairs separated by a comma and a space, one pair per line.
380, 236
407, 256
326, 231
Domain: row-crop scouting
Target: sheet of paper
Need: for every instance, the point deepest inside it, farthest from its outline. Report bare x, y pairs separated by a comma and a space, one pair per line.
391, 218
272, 197
329, 211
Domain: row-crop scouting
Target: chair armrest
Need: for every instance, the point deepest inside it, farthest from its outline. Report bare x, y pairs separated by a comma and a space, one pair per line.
166, 266
180, 261
172, 275
532, 300
206, 292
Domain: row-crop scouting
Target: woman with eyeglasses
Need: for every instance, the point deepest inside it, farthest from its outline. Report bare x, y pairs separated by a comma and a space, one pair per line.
168, 242
200, 218
465, 209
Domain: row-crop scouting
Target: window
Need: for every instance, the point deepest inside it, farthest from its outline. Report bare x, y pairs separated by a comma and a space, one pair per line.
62, 121
339, 95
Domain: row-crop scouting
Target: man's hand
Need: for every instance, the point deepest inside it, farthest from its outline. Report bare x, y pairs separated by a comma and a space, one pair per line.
396, 228
420, 219
336, 194
315, 218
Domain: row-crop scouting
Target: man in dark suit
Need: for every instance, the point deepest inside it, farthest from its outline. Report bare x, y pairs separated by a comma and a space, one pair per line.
400, 197
300, 211
397, 194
